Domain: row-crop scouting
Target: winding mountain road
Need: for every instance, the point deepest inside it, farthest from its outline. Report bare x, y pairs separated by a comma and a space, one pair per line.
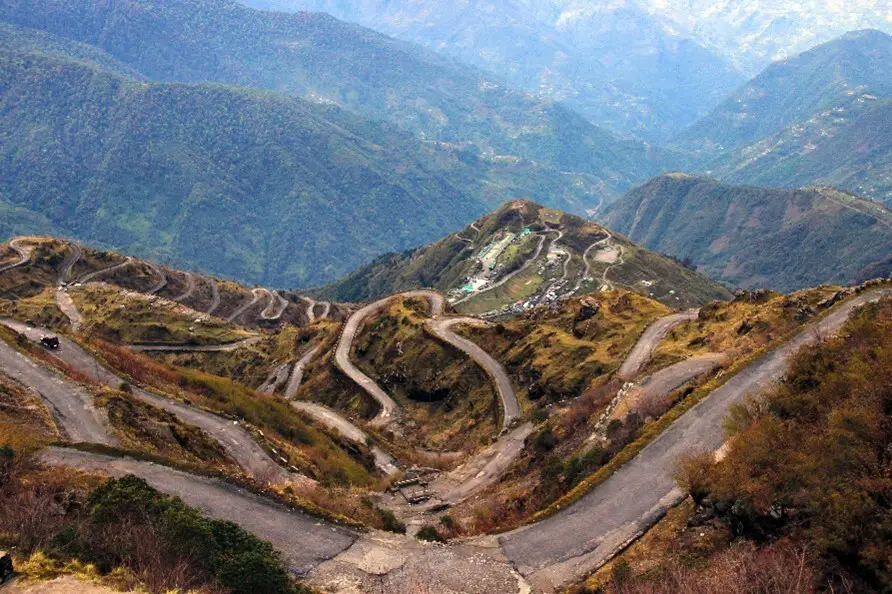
326, 416
442, 329
162, 278
237, 442
275, 309
68, 263
66, 305
389, 409
297, 373
23, 251
94, 275
647, 344
215, 297
567, 546
303, 540
190, 288
255, 297
72, 407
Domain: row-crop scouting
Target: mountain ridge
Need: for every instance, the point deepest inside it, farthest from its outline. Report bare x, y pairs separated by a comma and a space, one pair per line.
782, 239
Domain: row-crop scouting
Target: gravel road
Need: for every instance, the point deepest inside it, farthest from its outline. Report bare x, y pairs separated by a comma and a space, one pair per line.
567, 546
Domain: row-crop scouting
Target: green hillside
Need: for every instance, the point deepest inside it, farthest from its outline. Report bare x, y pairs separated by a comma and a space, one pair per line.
849, 147
757, 237
239, 182
794, 90
531, 255
317, 57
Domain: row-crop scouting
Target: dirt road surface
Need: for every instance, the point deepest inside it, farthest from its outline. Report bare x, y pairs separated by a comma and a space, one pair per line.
324, 415
649, 341
566, 547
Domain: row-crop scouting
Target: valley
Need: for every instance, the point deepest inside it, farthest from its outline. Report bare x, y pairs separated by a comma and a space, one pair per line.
391, 442
303, 296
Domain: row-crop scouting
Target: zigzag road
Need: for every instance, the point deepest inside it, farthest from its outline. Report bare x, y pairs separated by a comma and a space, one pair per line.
72, 406
237, 442
389, 409
566, 547
648, 342
94, 275
551, 553
24, 253
441, 327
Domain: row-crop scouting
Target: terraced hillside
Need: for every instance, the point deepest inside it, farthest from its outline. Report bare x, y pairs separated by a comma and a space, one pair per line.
525, 255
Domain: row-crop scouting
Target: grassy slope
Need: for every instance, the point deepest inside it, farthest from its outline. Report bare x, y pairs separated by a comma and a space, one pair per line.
833, 399
783, 239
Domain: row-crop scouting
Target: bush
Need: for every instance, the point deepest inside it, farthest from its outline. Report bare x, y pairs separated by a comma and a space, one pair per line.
430, 534
390, 521
131, 524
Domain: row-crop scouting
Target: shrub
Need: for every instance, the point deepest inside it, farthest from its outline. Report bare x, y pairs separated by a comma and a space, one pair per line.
390, 522
430, 534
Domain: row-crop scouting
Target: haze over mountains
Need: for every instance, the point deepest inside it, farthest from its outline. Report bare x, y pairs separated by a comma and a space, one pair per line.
317, 145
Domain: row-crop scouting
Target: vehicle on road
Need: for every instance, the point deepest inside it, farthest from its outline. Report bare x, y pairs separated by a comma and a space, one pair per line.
50, 342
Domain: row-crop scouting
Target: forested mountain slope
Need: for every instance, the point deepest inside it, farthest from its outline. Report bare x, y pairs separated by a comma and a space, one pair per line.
759, 237
794, 90
240, 182
328, 61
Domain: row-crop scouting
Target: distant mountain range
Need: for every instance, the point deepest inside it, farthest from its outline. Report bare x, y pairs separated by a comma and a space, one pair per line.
615, 63
98, 143
326, 61
759, 237
820, 118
